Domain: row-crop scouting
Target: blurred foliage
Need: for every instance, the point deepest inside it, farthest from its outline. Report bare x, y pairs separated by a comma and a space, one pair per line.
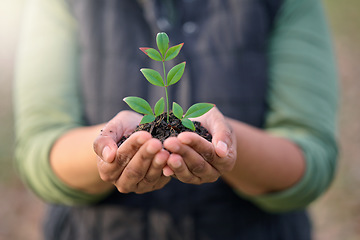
344, 18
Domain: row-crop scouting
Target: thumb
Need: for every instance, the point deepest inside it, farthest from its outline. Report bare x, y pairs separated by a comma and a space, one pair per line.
221, 149
105, 147
222, 137
221, 131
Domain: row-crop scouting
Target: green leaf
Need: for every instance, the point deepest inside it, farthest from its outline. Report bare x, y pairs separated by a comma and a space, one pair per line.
173, 52
152, 53
153, 76
147, 119
162, 41
177, 110
188, 124
159, 107
176, 73
198, 109
139, 105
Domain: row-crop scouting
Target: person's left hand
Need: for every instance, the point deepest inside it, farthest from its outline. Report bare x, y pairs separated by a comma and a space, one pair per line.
135, 166
195, 160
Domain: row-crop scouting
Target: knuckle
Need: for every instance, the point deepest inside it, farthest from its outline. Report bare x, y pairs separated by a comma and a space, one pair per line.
210, 158
150, 179
199, 167
123, 159
133, 173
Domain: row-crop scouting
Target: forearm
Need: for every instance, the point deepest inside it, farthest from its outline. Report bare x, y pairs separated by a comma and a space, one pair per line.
264, 163
73, 160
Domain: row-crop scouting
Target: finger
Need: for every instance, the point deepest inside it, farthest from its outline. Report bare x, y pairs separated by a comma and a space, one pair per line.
155, 171
167, 171
188, 165
181, 171
110, 171
221, 131
207, 151
139, 165
161, 183
129, 148
199, 144
222, 139
131, 121
105, 145
121, 125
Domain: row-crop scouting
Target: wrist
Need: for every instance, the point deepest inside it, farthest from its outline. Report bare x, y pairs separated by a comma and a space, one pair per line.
74, 162
264, 163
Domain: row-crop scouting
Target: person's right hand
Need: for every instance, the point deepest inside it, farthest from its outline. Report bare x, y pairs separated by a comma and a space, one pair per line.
136, 166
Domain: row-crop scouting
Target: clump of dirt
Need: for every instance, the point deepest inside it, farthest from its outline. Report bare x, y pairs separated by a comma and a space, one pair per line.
162, 130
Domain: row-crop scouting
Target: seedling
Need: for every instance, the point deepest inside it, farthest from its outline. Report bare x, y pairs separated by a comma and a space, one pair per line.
163, 54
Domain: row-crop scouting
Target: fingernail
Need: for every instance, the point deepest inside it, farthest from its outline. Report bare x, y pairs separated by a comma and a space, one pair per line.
106, 153
176, 164
159, 161
167, 171
222, 146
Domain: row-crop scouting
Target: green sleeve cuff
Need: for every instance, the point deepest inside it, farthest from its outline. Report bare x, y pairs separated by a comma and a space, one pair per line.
320, 169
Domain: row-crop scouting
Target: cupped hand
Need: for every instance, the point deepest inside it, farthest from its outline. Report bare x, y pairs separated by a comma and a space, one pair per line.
137, 165
195, 160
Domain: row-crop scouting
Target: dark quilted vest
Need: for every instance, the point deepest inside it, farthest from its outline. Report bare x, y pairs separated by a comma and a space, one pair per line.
225, 49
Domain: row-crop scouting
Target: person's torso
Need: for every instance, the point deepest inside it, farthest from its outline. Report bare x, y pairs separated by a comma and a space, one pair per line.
225, 45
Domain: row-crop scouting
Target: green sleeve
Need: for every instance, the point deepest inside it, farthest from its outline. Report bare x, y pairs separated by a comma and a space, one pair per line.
46, 97
303, 99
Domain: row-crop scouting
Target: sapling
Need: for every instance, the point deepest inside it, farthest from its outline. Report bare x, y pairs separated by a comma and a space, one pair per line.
163, 54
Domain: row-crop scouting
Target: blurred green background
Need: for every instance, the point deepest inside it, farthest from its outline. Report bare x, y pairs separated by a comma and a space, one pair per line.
336, 214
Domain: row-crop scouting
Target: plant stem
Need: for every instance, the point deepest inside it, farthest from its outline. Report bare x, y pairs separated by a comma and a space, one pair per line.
166, 93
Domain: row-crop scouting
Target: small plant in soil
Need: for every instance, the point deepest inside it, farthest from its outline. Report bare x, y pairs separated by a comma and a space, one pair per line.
160, 123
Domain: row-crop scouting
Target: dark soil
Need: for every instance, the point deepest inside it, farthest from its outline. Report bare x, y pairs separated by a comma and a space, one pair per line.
161, 129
